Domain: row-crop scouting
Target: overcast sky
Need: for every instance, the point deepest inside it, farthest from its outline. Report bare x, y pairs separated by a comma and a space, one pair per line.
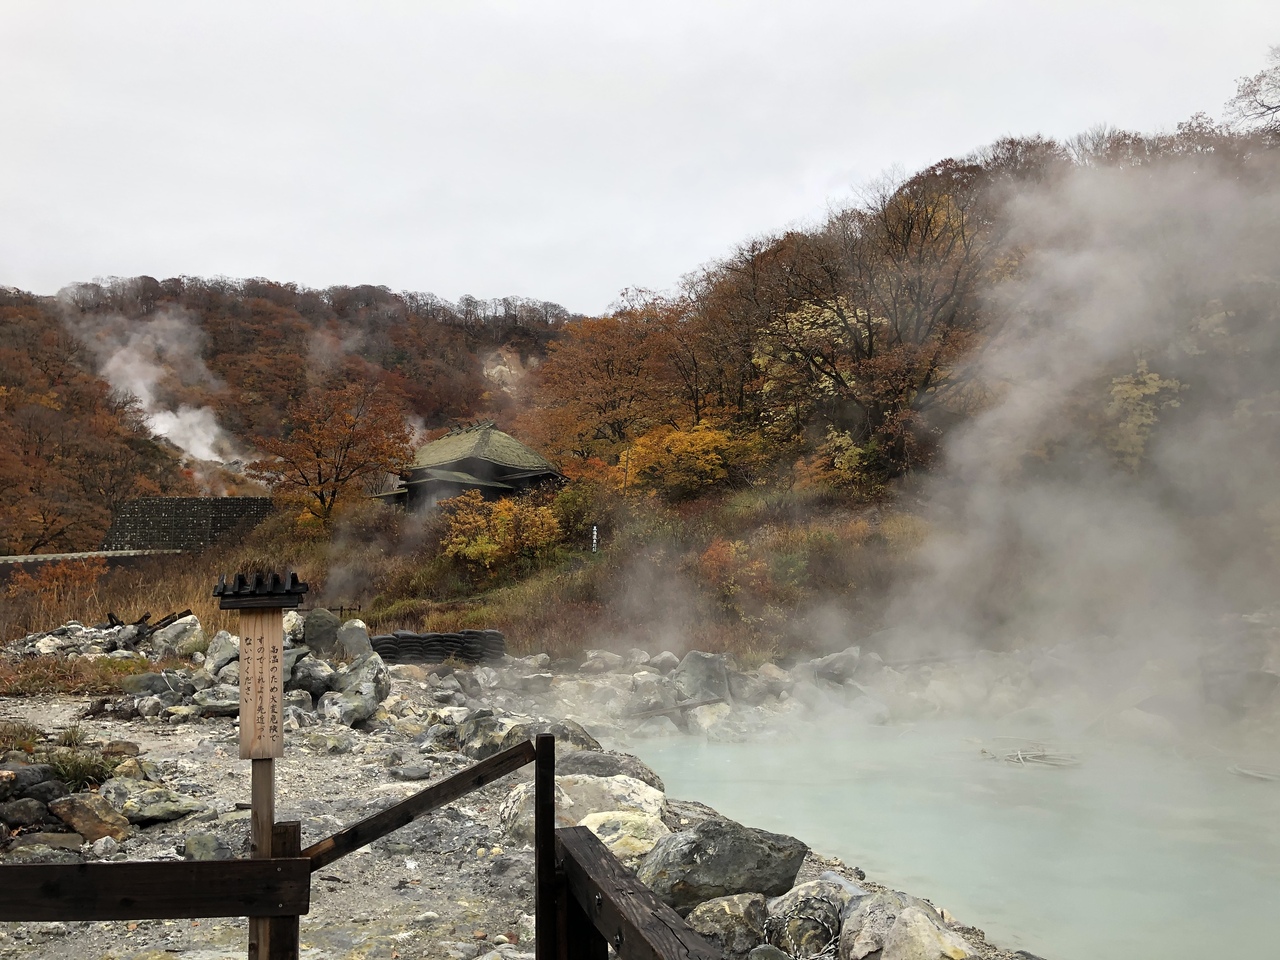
558, 150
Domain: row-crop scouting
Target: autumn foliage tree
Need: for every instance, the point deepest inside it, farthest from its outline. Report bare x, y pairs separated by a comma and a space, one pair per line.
71, 449
335, 438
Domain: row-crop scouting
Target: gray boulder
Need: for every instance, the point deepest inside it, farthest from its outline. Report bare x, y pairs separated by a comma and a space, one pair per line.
358, 689
183, 637
701, 675
223, 649
656, 728
293, 627
291, 657
202, 845
144, 802
919, 934
230, 674
353, 639
735, 924
720, 858
838, 667
23, 813
747, 689
312, 675
601, 661
17, 778
897, 926
42, 853
221, 700
664, 662
154, 684
597, 764
320, 632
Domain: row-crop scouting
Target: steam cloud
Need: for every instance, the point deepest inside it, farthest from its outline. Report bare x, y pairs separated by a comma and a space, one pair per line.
1038, 539
146, 358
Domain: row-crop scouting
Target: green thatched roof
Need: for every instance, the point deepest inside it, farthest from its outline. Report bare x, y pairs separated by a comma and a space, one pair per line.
484, 442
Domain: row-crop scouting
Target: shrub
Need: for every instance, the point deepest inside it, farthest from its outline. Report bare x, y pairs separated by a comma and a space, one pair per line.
494, 534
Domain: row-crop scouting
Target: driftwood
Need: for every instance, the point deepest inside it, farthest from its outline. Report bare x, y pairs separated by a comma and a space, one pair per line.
686, 705
143, 621
1032, 752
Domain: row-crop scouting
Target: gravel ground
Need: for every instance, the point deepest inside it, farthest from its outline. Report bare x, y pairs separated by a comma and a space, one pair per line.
446, 886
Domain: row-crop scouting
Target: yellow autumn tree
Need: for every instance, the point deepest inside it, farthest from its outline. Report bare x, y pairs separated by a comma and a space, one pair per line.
491, 534
680, 464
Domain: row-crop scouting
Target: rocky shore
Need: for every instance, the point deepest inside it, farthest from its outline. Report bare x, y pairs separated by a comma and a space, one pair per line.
459, 883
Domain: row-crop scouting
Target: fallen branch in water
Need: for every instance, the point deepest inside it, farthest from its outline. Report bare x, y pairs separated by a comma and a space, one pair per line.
1036, 753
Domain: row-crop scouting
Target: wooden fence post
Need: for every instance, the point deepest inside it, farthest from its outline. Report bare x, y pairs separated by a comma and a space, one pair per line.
286, 841
546, 916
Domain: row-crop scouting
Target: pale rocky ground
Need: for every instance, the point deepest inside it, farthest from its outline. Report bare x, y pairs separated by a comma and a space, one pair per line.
458, 883
454, 884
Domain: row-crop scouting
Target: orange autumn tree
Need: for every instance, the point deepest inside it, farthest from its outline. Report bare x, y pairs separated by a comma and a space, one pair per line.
334, 439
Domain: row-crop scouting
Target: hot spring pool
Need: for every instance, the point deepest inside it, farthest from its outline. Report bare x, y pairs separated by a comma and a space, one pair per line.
1136, 853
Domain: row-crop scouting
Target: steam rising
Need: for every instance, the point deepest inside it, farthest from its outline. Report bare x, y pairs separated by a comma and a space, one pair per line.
154, 359
1169, 271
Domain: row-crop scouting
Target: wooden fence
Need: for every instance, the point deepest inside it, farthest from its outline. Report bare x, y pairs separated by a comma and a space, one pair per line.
587, 900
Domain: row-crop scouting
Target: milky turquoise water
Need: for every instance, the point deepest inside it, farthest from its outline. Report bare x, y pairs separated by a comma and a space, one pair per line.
1135, 853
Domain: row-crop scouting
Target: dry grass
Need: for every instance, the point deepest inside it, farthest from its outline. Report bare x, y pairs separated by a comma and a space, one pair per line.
793, 552
18, 735
76, 765
35, 676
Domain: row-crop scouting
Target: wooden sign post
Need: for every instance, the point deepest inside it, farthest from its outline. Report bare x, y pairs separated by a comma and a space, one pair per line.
261, 605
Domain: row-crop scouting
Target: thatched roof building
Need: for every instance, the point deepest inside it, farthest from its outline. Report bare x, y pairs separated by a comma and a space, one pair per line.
479, 457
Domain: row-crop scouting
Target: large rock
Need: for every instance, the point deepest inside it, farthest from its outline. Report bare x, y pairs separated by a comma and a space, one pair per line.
664, 662
320, 632
838, 667
183, 637
155, 684
90, 816
919, 935
805, 920
869, 931
353, 639
202, 845
144, 802
222, 700
484, 734
312, 675
597, 764
628, 834
23, 813
747, 689
17, 778
776, 680
293, 627
701, 676
735, 924
358, 689
701, 720
223, 649
720, 858
578, 795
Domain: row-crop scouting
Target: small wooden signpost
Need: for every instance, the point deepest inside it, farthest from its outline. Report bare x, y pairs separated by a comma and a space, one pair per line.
261, 604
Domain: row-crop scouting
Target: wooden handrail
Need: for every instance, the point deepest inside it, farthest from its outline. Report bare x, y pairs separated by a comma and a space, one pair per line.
156, 889
625, 913
352, 838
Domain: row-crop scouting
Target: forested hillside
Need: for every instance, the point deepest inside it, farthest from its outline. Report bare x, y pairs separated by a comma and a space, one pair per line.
214, 367
1030, 386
